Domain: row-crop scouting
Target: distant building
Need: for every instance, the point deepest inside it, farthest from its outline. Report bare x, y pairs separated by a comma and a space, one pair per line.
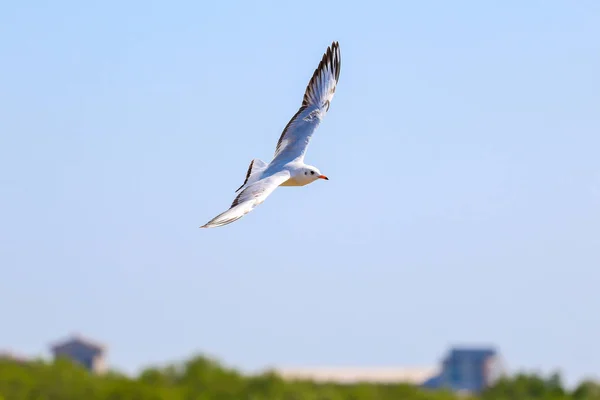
466, 370
83, 351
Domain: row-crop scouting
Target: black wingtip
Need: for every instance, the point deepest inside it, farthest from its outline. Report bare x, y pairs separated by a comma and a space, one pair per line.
335, 47
332, 60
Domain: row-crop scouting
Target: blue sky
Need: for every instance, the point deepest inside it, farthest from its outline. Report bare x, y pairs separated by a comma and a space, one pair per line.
463, 205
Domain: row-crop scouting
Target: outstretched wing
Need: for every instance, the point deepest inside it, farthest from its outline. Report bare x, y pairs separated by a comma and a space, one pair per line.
318, 95
248, 199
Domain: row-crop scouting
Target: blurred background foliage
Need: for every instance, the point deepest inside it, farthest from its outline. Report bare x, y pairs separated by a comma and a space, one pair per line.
202, 378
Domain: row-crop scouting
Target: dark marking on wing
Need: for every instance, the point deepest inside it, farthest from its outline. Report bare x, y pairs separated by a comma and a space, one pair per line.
236, 201
331, 62
252, 191
247, 175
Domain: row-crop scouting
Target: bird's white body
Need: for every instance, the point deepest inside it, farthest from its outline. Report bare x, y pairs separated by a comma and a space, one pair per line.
297, 177
300, 174
287, 167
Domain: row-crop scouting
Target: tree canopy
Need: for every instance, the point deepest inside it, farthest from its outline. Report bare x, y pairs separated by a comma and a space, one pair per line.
202, 378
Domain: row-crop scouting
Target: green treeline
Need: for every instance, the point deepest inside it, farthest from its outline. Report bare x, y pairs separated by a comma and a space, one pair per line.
201, 378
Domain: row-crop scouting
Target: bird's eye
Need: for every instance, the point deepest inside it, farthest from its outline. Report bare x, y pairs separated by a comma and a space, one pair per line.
312, 172
305, 173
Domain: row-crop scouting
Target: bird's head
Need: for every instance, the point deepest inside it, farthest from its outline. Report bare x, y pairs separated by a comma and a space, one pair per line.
311, 174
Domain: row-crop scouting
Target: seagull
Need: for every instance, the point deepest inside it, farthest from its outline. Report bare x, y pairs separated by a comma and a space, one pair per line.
287, 168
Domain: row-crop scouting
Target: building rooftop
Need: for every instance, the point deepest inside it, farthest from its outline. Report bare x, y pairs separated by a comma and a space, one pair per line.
79, 339
488, 351
471, 352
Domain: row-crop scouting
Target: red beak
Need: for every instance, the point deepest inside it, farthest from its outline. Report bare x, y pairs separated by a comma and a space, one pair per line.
323, 177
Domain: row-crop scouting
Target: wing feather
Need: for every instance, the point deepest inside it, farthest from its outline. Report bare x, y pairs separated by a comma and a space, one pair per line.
248, 199
317, 98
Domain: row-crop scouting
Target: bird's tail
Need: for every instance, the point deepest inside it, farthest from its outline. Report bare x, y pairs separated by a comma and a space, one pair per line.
256, 166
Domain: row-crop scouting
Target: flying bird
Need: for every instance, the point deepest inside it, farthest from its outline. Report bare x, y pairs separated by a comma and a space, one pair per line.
287, 168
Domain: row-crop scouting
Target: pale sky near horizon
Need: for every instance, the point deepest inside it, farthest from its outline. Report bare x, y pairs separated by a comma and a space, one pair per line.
462, 207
